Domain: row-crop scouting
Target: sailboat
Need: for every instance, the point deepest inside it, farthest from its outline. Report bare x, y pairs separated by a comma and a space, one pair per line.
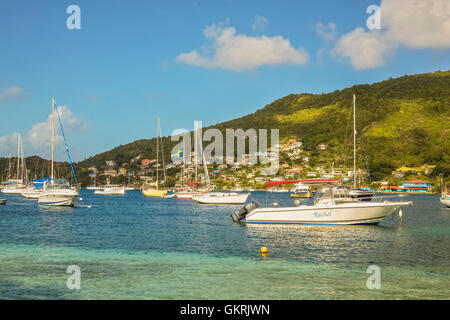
18, 185
215, 197
156, 192
445, 195
58, 192
357, 193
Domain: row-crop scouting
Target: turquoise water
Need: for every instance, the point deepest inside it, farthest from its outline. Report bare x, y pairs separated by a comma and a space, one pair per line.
132, 247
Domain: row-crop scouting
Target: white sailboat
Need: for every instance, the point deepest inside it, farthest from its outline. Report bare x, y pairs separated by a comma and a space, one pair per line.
327, 210
18, 185
57, 192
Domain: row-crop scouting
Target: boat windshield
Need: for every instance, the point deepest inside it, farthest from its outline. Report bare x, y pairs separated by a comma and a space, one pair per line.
57, 184
335, 194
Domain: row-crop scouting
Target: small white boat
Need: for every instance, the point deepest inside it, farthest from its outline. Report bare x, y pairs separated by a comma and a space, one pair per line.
168, 196
445, 196
92, 187
361, 194
325, 211
111, 189
2, 201
445, 199
278, 190
13, 189
221, 198
32, 193
301, 190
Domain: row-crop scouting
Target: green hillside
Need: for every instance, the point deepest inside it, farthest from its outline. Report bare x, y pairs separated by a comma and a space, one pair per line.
402, 121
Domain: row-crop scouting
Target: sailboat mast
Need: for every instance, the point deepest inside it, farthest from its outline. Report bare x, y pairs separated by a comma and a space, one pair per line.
157, 153
53, 134
354, 141
18, 156
9, 168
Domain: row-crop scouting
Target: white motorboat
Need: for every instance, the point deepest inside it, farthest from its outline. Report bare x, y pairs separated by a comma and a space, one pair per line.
324, 211
2, 201
92, 187
221, 198
111, 189
301, 190
361, 194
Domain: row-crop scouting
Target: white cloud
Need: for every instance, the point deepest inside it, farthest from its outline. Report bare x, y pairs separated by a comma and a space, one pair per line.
326, 32
417, 23
38, 138
239, 52
414, 24
10, 93
365, 49
259, 23
8, 144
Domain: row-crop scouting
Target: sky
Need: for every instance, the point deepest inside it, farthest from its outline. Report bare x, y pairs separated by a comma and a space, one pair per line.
209, 60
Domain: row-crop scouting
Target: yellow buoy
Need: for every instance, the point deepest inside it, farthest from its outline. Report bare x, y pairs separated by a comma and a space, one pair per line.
263, 250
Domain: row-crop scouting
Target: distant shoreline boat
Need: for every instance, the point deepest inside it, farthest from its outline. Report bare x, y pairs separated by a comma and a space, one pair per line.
301, 191
412, 186
111, 189
221, 198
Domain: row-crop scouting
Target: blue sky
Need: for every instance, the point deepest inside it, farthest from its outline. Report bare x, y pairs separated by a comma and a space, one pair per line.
126, 63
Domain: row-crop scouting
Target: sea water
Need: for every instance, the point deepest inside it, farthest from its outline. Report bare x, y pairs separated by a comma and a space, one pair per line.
133, 247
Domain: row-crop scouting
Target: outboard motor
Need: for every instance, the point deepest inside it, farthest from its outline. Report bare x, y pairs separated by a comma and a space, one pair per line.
238, 215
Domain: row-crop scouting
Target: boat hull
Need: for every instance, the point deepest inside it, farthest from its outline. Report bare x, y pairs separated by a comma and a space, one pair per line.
111, 192
343, 214
58, 199
301, 195
7, 190
446, 201
222, 199
31, 194
154, 193
2, 201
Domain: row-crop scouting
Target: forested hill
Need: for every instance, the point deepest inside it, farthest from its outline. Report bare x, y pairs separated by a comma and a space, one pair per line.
401, 121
